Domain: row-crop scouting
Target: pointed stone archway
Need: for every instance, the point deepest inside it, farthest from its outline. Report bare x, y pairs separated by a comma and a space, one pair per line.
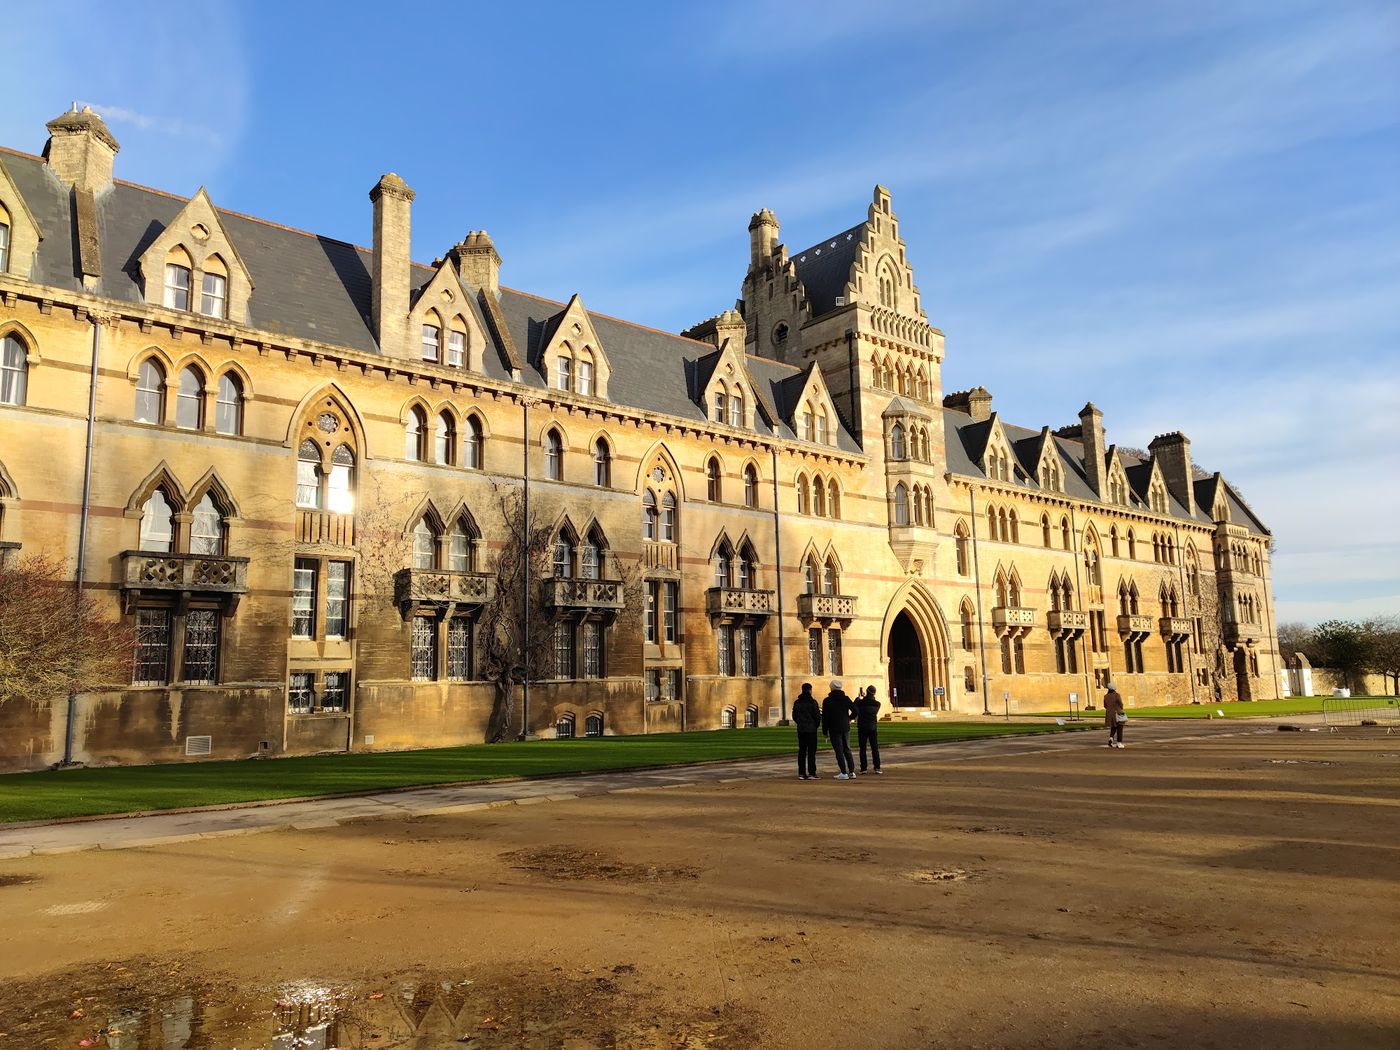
914, 645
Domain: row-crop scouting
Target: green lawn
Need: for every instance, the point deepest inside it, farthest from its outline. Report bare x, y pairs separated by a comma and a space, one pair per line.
128, 789
1295, 705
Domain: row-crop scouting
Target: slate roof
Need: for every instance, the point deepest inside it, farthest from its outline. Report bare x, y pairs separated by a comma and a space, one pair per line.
966, 439
825, 268
312, 287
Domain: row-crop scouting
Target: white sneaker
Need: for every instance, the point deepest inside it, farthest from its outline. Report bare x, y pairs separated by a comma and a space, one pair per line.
842, 776
1121, 744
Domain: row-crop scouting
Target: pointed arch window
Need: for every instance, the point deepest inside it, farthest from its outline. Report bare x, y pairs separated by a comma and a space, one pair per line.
564, 372
177, 280
460, 549
584, 385
1113, 540
430, 341
650, 516
213, 291
833, 499
723, 565
472, 444
819, 497
961, 545
4, 239
1066, 540
424, 545
901, 505
157, 524
150, 392
736, 408
456, 347
668, 518
189, 399
228, 408
309, 475
809, 575
897, 441
803, 502
830, 579
965, 622
416, 434
750, 486
554, 456
444, 438
340, 485
712, 480
207, 527
563, 556
746, 569
1132, 544
602, 464
591, 561
14, 370
1045, 530
823, 425
1014, 590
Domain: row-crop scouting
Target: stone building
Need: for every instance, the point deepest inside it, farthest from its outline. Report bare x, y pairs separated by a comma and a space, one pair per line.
279, 456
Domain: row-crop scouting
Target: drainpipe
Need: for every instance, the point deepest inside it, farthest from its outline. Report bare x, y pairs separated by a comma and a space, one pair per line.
1185, 598
1083, 642
855, 388
83, 525
977, 583
778, 554
525, 574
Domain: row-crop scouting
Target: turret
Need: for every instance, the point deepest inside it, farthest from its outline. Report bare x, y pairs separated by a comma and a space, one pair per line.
763, 238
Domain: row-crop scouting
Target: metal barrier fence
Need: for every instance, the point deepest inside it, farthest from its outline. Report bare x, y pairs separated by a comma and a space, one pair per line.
1350, 712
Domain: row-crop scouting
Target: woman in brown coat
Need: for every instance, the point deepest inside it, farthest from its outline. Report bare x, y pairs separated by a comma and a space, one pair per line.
1114, 716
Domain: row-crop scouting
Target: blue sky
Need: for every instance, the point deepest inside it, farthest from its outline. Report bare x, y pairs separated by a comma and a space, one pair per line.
1186, 212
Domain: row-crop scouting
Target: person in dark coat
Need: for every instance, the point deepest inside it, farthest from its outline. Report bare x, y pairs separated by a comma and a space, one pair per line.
807, 717
837, 713
867, 715
1114, 716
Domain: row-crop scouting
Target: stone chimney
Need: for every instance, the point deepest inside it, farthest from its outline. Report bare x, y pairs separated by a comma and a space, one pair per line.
730, 328
1173, 452
478, 262
81, 150
1091, 432
392, 199
763, 238
976, 402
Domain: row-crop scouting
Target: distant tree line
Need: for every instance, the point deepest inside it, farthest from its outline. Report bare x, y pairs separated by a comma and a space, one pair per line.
1354, 648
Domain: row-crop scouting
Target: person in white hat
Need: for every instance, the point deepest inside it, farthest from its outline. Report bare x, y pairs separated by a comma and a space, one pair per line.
1114, 715
837, 714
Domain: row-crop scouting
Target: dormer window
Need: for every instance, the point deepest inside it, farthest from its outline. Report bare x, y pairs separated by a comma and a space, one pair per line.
4, 239
213, 298
585, 374
429, 340
564, 373
821, 436
456, 348
807, 425
736, 409
177, 281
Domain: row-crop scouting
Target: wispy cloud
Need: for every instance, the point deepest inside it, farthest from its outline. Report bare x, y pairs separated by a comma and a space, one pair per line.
172, 126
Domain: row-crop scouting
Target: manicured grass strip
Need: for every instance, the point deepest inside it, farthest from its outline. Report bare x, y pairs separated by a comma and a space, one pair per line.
129, 789
1295, 705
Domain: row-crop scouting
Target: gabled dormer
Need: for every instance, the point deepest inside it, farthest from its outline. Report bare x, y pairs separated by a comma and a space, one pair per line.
193, 265
1049, 468
1115, 478
727, 391
571, 355
811, 413
447, 328
1157, 489
1211, 493
997, 461
19, 232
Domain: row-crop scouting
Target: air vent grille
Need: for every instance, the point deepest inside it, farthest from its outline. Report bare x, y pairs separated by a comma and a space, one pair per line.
198, 745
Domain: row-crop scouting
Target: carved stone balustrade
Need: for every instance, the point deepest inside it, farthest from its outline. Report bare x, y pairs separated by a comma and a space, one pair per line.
416, 586
1067, 621
826, 606
1012, 619
203, 575
1175, 626
737, 601
1139, 625
576, 595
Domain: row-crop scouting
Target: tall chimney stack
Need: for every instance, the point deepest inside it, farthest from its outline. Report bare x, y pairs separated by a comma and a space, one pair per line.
392, 199
1173, 452
81, 150
1091, 431
478, 262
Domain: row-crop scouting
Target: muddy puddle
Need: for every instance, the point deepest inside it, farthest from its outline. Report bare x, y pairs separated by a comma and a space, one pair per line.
160, 1005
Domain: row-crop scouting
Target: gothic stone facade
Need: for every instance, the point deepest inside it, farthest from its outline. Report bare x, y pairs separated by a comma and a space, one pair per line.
298, 446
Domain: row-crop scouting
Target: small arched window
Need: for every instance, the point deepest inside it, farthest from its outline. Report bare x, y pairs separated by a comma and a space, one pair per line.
189, 399
4, 239
809, 576
150, 392
584, 384
430, 341
1065, 540
1045, 530
961, 544
456, 346
833, 499
157, 526
727, 718
177, 280
228, 409
207, 527
649, 516
901, 505
736, 408
1132, 544
593, 725
803, 502
1001, 590
213, 288
897, 441
602, 464
309, 475
340, 486
415, 434
668, 518
472, 447
591, 563
818, 497
554, 456
1014, 591
424, 545
460, 551
1113, 540
750, 486
563, 556
723, 559
712, 480
564, 372
14, 370
746, 566
822, 427
965, 621
830, 580
444, 438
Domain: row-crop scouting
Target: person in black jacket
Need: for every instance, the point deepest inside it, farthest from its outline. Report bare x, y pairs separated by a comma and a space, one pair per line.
837, 712
867, 714
807, 717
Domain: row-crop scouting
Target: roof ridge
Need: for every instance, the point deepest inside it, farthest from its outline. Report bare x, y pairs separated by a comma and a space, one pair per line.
826, 240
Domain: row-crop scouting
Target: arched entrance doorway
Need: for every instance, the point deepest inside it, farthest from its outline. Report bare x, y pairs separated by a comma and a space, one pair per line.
906, 662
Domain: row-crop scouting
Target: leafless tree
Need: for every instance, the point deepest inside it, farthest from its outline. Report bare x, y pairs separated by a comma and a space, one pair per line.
54, 639
1384, 632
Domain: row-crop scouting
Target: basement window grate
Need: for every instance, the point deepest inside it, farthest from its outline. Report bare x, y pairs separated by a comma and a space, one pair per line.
199, 745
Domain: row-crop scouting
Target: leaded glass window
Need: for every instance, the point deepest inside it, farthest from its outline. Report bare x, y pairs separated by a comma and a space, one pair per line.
424, 652
14, 370
301, 693
150, 392
459, 649
833, 652
335, 693
157, 526
814, 651
724, 639
304, 599
564, 649
339, 495
669, 590
746, 651
337, 598
207, 528
202, 646
152, 664
309, 475
592, 649
424, 545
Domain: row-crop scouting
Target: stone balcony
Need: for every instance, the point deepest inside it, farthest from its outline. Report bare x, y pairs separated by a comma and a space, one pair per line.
430, 585
658, 554
826, 606
202, 574
1135, 625
568, 594
1175, 626
323, 526
1067, 621
736, 601
1012, 618
1241, 633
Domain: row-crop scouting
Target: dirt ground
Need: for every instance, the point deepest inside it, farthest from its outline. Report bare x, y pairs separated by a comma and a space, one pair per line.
1239, 891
